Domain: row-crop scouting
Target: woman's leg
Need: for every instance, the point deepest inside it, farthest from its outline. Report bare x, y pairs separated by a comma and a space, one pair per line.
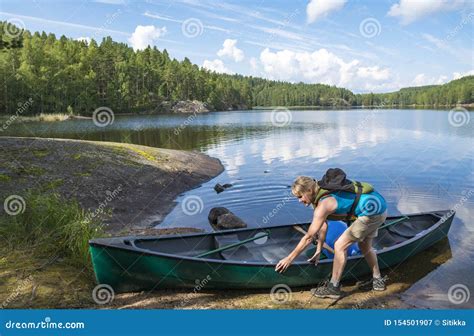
340, 257
370, 256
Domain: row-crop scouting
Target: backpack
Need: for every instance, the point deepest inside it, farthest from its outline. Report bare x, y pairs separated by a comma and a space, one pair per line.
334, 180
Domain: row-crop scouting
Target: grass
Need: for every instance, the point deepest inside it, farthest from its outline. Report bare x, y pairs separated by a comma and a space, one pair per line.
51, 226
35, 171
40, 153
122, 148
4, 178
47, 117
54, 184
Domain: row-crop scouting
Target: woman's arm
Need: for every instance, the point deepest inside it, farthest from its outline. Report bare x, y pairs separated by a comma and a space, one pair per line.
319, 219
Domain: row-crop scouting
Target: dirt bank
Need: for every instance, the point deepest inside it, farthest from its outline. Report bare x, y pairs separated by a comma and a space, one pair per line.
129, 186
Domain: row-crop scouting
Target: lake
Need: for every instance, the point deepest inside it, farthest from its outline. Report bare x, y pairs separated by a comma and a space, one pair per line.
419, 160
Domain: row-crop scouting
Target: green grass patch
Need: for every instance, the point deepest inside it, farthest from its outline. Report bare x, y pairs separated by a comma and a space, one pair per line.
83, 174
53, 184
40, 153
4, 178
33, 170
52, 226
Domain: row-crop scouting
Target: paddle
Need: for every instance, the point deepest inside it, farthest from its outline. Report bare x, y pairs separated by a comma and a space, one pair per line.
394, 222
226, 247
302, 231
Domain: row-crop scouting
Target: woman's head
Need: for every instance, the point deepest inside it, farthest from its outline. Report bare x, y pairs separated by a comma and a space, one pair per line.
305, 189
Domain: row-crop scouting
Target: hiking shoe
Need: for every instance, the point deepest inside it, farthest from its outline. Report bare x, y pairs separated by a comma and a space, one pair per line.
378, 284
327, 291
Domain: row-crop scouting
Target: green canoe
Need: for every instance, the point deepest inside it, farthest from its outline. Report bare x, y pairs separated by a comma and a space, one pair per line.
246, 258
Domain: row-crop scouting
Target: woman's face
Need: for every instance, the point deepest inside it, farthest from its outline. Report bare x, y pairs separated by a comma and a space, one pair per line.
305, 198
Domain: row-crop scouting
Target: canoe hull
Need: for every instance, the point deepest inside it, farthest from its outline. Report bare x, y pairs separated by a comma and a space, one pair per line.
127, 270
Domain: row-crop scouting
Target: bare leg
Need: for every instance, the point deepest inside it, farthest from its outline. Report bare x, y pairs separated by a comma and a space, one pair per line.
370, 256
340, 257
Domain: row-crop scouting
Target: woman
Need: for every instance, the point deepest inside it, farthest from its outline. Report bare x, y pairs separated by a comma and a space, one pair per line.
369, 214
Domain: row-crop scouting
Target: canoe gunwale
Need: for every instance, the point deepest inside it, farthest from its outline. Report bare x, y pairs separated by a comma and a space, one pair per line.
447, 215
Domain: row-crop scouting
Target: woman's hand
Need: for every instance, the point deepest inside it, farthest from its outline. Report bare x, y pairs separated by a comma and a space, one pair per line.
283, 264
315, 258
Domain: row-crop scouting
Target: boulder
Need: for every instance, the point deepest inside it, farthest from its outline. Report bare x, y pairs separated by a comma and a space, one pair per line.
215, 213
220, 188
189, 106
229, 221
182, 106
222, 218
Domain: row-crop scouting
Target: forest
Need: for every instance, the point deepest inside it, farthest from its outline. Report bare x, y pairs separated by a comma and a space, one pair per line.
63, 75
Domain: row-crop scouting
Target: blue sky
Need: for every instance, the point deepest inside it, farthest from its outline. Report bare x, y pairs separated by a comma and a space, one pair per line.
365, 46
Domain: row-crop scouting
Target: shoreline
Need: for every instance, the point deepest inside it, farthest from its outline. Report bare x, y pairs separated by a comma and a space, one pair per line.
57, 117
137, 184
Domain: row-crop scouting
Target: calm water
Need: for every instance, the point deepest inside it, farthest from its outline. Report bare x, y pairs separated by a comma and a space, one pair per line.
417, 159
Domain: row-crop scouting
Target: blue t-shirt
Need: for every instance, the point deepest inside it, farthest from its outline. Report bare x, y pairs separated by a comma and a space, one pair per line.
369, 204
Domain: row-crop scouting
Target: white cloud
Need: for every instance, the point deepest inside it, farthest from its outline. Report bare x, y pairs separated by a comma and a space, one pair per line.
84, 39
145, 35
412, 10
422, 79
319, 8
253, 63
229, 48
322, 66
457, 75
216, 65
436, 41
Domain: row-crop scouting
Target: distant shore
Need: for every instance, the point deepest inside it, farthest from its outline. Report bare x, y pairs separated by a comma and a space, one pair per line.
54, 117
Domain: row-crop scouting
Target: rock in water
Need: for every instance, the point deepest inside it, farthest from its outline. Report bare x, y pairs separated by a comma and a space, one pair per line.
220, 188
222, 218
215, 213
229, 221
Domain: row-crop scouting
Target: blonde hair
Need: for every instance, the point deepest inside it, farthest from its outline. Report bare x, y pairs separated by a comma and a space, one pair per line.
304, 184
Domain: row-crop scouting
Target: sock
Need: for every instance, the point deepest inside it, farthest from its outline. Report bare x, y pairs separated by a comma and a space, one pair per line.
378, 277
335, 283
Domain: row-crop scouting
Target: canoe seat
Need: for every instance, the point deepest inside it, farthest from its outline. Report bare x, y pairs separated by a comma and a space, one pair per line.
271, 251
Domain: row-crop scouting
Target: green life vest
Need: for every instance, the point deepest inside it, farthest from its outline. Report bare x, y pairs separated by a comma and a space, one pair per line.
355, 187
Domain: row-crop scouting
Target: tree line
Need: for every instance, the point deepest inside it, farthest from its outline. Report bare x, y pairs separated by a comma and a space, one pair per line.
66, 75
